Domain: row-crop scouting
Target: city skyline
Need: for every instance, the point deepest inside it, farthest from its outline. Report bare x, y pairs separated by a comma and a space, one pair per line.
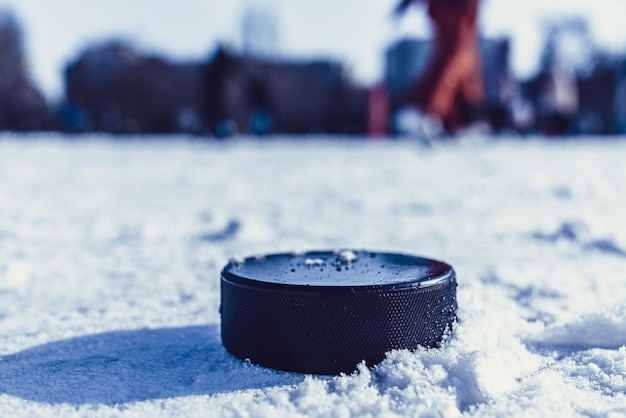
56, 33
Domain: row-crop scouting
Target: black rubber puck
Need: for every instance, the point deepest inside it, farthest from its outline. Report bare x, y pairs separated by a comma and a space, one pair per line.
324, 312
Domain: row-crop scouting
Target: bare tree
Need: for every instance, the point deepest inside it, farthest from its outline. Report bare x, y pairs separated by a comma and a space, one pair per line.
568, 45
22, 107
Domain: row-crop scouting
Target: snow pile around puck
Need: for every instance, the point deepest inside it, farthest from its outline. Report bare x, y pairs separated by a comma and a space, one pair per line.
110, 254
605, 328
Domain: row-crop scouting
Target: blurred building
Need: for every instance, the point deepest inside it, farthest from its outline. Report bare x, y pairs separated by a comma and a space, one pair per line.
259, 30
620, 98
252, 95
114, 88
22, 106
404, 62
603, 99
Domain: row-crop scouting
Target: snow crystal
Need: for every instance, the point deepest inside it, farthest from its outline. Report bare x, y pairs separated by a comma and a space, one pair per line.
314, 262
236, 261
346, 256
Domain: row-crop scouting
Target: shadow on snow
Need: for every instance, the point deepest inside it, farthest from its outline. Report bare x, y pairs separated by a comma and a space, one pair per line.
136, 365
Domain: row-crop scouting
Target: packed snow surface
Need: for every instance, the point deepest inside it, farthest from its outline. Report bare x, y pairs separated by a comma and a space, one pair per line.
111, 251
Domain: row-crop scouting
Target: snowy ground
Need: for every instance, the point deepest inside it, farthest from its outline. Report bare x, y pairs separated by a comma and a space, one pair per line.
110, 253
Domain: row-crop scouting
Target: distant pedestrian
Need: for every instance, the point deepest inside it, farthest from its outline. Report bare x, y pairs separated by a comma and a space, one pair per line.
558, 102
216, 100
451, 87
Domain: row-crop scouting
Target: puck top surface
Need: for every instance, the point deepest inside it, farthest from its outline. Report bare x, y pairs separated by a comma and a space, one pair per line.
338, 269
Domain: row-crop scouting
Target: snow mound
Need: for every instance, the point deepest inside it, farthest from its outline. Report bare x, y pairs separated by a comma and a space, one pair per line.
602, 329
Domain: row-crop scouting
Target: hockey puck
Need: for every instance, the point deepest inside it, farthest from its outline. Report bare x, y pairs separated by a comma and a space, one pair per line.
324, 312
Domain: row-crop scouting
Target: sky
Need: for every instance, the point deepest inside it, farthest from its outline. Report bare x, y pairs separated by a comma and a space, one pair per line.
357, 33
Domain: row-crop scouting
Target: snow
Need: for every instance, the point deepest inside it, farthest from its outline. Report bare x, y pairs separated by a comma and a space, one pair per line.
110, 254
346, 257
314, 262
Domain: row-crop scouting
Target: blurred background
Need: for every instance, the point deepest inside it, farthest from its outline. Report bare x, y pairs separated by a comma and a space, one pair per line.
219, 69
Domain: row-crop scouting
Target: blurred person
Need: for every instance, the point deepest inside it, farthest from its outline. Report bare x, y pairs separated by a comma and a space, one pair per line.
558, 102
216, 97
522, 114
259, 100
450, 90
